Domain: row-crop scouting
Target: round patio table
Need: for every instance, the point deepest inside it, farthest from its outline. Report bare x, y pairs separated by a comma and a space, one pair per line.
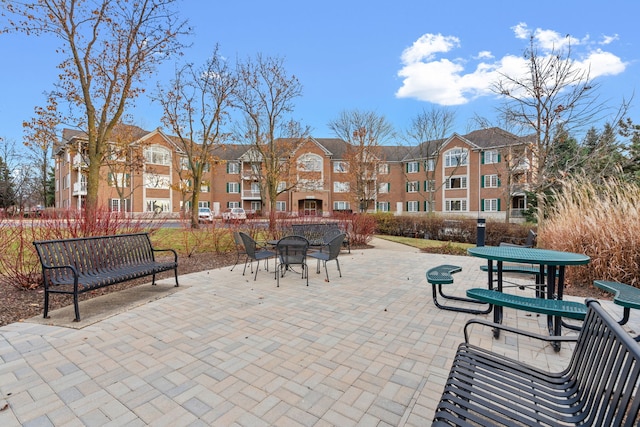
552, 268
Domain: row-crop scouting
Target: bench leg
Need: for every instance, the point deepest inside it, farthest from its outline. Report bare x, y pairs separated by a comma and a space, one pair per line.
46, 304
458, 309
175, 272
76, 307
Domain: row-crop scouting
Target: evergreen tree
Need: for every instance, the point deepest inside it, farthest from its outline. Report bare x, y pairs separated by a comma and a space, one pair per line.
7, 192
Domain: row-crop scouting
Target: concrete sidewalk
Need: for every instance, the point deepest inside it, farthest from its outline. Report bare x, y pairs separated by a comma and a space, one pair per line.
366, 349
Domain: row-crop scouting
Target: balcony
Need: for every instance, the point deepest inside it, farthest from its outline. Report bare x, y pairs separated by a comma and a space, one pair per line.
79, 189
250, 195
78, 162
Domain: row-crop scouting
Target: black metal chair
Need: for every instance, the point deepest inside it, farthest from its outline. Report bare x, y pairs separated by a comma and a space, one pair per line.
253, 253
329, 252
240, 251
292, 250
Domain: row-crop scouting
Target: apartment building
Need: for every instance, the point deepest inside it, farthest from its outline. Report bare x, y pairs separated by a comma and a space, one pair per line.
483, 172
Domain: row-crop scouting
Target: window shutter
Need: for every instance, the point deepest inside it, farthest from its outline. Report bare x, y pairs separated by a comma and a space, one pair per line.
482, 181
482, 158
482, 205
499, 157
417, 166
227, 187
407, 187
499, 185
498, 204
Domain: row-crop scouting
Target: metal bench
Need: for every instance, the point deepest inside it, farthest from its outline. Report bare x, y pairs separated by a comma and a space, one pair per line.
442, 275
597, 388
625, 296
75, 266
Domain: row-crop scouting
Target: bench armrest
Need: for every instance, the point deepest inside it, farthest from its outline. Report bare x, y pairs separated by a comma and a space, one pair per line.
175, 254
516, 331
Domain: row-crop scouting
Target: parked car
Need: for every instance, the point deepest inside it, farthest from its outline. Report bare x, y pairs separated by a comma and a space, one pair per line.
234, 214
205, 215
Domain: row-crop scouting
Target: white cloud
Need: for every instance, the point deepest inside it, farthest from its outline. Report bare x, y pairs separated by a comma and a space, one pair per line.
428, 75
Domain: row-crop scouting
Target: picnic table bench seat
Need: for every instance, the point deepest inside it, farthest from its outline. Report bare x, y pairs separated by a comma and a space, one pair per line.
442, 275
597, 388
78, 265
552, 307
626, 296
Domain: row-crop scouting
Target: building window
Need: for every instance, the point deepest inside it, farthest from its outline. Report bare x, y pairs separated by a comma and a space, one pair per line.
430, 165
491, 157
341, 206
413, 187
490, 181
413, 167
157, 155
233, 187
158, 205
255, 189
491, 205
281, 206
310, 163
456, 182
384, 206
456, 157
383, 168
120, 180
233, 205
205, 188
427, 206
282, 186
256, 206
340, 187
340, 167
184, 164
203, 204
430, 185
310, 185
66, 181
455, 205
233, 167
160, 182
384, 187
413, 206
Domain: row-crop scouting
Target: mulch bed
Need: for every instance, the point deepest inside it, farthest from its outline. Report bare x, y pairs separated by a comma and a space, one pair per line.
17, 304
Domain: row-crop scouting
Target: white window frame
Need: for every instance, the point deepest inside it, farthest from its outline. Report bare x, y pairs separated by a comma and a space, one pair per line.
341, 187
430, 165
413, 167
310, 162
163, 204
491, 157
383, 168
281, 206
341, 206
383, 188
233, 188
157, 181
384, 206
451, 179
456, 157
490, 205
413, 206
450, 204
231, 205
490, 181
340, 167
157, 155
413, 186
233, 168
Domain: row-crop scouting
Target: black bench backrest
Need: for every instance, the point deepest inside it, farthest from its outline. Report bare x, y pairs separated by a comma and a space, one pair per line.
90, 254
606, 368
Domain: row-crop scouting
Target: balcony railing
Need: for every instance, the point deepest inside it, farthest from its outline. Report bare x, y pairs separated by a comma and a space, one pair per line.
249, 194
79, 188
78, 162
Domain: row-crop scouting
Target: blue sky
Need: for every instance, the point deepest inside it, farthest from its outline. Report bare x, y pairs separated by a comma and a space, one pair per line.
394, 58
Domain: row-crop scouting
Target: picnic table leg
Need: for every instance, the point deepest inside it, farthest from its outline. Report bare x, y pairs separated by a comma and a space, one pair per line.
497, 309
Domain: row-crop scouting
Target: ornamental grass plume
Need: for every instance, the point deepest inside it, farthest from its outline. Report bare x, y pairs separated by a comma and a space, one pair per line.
601, 220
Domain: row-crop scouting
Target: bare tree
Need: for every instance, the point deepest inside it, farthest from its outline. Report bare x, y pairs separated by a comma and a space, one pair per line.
364, 132
196, 108
551, 91
426, 135
265, 95
110, 46
40, 139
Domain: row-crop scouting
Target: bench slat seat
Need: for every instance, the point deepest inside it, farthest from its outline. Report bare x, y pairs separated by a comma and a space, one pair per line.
552, 307
442, 275
78, 265
597, 388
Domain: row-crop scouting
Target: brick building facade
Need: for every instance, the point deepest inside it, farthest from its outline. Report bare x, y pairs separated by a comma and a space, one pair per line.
472, 174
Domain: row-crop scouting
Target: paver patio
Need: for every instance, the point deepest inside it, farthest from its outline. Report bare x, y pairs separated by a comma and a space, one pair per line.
367, 349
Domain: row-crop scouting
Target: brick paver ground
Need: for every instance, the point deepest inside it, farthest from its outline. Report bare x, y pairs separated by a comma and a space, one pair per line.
366, 349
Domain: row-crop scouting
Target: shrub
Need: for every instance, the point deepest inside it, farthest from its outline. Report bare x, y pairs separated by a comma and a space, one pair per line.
601, 221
